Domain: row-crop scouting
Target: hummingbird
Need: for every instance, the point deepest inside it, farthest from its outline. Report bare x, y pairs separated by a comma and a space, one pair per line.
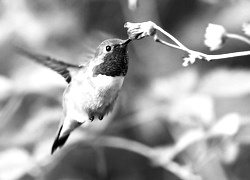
92, 88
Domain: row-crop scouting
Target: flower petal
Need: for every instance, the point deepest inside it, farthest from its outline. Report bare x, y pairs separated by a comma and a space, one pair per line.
140, 30
215, 36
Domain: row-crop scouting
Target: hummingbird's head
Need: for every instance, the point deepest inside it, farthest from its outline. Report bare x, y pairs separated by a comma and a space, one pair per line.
111, 58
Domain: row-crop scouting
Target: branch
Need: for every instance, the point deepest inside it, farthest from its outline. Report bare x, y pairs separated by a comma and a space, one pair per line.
148, 152
238, 37
216, 33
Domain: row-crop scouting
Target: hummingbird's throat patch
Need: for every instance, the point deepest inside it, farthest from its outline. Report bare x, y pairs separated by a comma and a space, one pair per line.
114, 64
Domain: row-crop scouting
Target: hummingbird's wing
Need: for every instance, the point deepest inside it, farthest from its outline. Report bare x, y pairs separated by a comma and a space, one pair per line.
63, 68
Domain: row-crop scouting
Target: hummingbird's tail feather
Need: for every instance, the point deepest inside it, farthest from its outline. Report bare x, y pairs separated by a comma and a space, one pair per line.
63, 134
59, 141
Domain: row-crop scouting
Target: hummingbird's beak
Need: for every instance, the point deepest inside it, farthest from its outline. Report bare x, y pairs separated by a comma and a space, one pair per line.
125, 42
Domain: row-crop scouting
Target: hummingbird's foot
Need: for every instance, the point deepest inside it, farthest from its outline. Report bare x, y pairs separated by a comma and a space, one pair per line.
100, 117
91, 118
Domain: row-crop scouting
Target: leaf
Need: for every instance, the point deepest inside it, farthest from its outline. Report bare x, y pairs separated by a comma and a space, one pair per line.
175, 86
7, 87
14, 163
228, 125
39, 79
226, 83
167, 154
193, 110
44, 120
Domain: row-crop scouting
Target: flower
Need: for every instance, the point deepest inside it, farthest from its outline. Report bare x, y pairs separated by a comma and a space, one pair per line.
133, 4
140, 30
191, 59
246, 28
215, 36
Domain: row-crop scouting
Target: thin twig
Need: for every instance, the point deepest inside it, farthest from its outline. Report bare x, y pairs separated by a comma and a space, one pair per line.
148, 152
227, 55
157, 39
171, 37
149, 28
101, 162
203, 55
238, 37
10, 108
183, 173
130, 145
199, 54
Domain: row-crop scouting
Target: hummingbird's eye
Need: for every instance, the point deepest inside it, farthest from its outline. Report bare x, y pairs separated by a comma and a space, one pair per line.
108, 48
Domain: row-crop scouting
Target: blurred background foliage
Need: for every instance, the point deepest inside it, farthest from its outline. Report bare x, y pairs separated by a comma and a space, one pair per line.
170, 122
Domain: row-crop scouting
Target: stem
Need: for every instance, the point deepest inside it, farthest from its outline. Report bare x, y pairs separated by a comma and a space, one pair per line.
150, 29
148, 152
238, 37
227, 55
167, 44
199, 54
10, 108
171, 37
203, 55
121, 143
183, 173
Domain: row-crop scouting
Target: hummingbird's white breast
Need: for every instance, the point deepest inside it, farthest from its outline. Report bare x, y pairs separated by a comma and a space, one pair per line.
103, 82
91, 95
102, 90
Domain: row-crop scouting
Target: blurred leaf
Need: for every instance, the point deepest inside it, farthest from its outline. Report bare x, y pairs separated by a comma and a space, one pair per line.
175, 86
44, 120
17, 19
229, 152
226, 83
243, 135
14, 163
40, 79
227, 126
10, 109
193, 110
166, 154
211, 1
41, 153
7, 87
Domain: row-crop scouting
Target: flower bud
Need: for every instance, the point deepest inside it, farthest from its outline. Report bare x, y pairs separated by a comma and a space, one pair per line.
133, 4
140, 30
246, 28
215, 36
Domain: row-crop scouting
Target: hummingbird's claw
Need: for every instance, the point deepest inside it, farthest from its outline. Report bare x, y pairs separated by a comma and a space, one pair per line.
91, 118
100, 117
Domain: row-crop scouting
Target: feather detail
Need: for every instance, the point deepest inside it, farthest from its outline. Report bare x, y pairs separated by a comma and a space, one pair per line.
60, 67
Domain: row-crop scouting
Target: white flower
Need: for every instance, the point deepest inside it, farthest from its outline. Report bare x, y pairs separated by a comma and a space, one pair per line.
133, 4
140, 30
246, 28
215, 36
191, 58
